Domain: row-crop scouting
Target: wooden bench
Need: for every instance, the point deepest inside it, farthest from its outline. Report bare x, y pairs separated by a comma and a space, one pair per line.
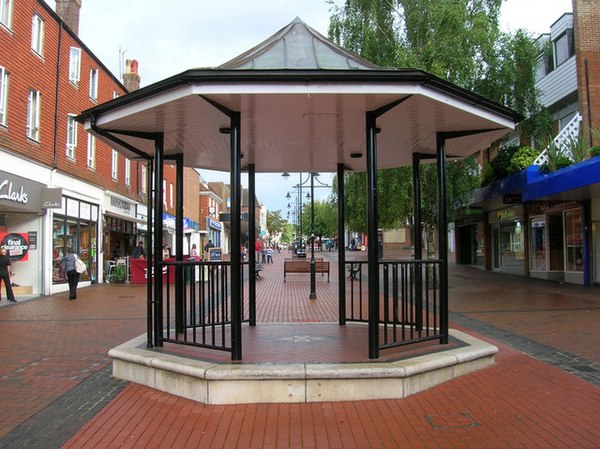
303, 266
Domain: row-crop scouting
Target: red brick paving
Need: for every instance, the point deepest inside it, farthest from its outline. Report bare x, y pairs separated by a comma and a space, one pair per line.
50, 344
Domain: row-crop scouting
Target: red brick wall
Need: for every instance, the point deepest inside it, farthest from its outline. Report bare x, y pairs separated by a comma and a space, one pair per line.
27, 70
586, 18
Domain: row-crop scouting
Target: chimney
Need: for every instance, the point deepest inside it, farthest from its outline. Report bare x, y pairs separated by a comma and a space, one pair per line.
68, 11
131, 78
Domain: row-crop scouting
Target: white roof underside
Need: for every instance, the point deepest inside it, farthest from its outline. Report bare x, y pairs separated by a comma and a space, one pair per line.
302, 127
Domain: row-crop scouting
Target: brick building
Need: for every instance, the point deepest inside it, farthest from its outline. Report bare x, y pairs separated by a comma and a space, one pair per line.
59, 187
540, 225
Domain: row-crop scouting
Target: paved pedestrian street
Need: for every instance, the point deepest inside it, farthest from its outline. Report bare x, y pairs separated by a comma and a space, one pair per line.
56, 388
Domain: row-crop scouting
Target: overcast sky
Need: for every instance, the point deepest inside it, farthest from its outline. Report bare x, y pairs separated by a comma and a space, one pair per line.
169, 37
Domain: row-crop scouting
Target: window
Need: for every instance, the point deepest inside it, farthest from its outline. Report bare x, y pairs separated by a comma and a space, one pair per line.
37, 35
164, 193
115, 165
171, 195
115, 94
3, 95
144, 178
573, 240
563, 47
94, 84
127, 172
75, 65
6, 13
71, 136
537, 244
33, 114
91, 151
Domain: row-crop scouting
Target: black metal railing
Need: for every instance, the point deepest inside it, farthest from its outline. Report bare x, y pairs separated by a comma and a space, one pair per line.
202, 316
409, 307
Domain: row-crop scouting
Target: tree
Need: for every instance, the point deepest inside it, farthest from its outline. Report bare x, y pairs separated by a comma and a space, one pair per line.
458, 40
275, 223
325, 220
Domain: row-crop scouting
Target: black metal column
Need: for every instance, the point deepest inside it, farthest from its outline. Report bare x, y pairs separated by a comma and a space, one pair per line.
442, 235
418, 239
341, 196
149, 252
251, 243
179, 278
158, 227
313, 274
372, 235
236, 217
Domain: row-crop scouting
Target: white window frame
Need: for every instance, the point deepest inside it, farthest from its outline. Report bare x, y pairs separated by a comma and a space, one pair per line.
116, 94
75, 65
3, 95
94, 84
6, 13
71, 136
34, 107
171, 195
127, 172
144, 178
164, 193
115, 165
91, 151
37, 34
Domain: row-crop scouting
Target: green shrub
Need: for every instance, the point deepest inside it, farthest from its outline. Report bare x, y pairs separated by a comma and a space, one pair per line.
487, 174
522, 159
501, 163
595, 151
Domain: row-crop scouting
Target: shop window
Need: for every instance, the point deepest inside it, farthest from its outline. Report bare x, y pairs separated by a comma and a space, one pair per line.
511, 244
76, 230
573, 241
3, 95
538, 253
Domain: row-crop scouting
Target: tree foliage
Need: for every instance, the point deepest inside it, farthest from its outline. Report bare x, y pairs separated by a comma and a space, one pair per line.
275, 222
325, 219
458, 40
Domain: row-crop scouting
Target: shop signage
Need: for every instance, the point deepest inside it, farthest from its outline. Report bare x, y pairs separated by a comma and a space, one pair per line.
214, 224
20, 193
16, 245
119, 207
507, 214
215, 254
51, 198
32, 236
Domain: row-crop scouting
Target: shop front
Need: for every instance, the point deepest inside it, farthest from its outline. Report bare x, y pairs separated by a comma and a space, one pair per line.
75, 226
556, 241
119, 229
23, 208
508, 240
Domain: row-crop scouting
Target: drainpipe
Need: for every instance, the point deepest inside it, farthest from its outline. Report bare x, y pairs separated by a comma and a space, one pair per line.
56, 99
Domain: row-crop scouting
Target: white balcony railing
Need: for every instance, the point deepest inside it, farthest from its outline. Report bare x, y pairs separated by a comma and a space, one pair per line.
562, 140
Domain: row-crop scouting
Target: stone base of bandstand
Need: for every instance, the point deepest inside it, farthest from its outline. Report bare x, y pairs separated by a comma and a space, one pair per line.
238, 383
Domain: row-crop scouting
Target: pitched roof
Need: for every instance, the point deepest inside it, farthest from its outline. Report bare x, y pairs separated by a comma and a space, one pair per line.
298, 46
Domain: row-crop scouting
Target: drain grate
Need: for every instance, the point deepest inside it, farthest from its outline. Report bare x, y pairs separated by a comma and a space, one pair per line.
462, 420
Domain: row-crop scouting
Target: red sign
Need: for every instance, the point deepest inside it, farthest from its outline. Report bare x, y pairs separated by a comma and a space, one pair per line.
16, 245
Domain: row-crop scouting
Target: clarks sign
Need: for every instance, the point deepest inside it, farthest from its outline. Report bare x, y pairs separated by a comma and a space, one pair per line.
20, 193
11, 192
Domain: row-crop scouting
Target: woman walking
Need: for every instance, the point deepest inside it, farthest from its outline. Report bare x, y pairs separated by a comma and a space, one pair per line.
5, 275
68, 266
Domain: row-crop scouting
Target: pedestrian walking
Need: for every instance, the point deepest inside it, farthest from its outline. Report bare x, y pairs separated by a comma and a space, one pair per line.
269, 252
194, 253
68, 267
5, 275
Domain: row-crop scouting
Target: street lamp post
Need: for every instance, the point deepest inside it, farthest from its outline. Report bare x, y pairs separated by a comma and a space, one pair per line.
313, 274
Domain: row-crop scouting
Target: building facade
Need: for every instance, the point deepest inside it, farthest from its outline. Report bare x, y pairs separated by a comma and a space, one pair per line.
540, 225
61, 188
